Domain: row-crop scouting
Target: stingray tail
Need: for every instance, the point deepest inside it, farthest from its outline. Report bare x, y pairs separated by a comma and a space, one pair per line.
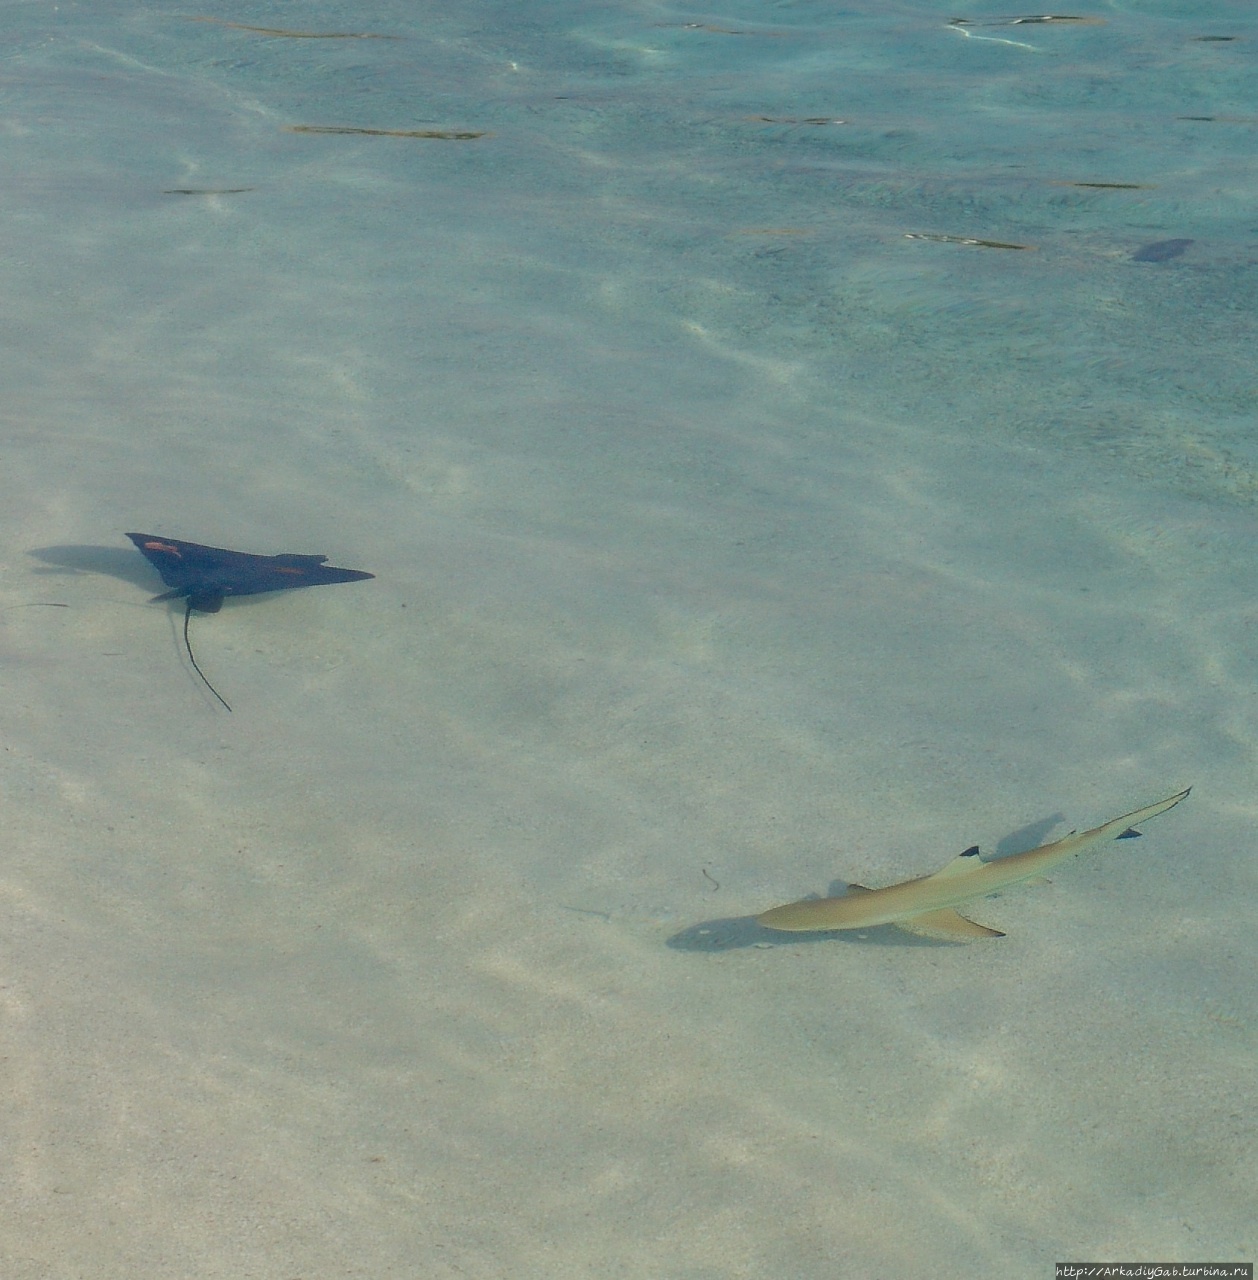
187, 613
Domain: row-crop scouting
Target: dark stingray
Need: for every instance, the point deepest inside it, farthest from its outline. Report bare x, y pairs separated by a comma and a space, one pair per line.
206, 576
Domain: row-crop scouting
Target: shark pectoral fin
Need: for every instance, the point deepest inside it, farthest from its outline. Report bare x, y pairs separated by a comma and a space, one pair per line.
947, 925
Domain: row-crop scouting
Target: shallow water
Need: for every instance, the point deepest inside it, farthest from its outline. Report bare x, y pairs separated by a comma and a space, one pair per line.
743, 520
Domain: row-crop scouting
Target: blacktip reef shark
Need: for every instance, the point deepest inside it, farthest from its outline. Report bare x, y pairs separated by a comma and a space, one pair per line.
926, 906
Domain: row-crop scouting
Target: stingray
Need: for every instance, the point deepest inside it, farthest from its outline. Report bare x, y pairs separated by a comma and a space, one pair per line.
206, 576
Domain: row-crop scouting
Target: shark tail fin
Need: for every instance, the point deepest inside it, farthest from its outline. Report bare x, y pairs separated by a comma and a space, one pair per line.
947, 925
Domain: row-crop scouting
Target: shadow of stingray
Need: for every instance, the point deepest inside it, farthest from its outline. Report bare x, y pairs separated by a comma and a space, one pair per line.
117, 562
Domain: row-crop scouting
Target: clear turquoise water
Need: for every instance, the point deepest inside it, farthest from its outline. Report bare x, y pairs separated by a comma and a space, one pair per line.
738, 525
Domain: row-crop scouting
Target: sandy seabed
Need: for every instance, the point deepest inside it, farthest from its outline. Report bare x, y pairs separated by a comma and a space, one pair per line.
727, 543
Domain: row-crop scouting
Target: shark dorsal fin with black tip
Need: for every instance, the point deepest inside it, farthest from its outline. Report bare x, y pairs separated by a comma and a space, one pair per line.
962, 864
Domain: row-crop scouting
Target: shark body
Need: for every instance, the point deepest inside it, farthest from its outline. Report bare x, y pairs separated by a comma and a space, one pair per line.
927, 905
